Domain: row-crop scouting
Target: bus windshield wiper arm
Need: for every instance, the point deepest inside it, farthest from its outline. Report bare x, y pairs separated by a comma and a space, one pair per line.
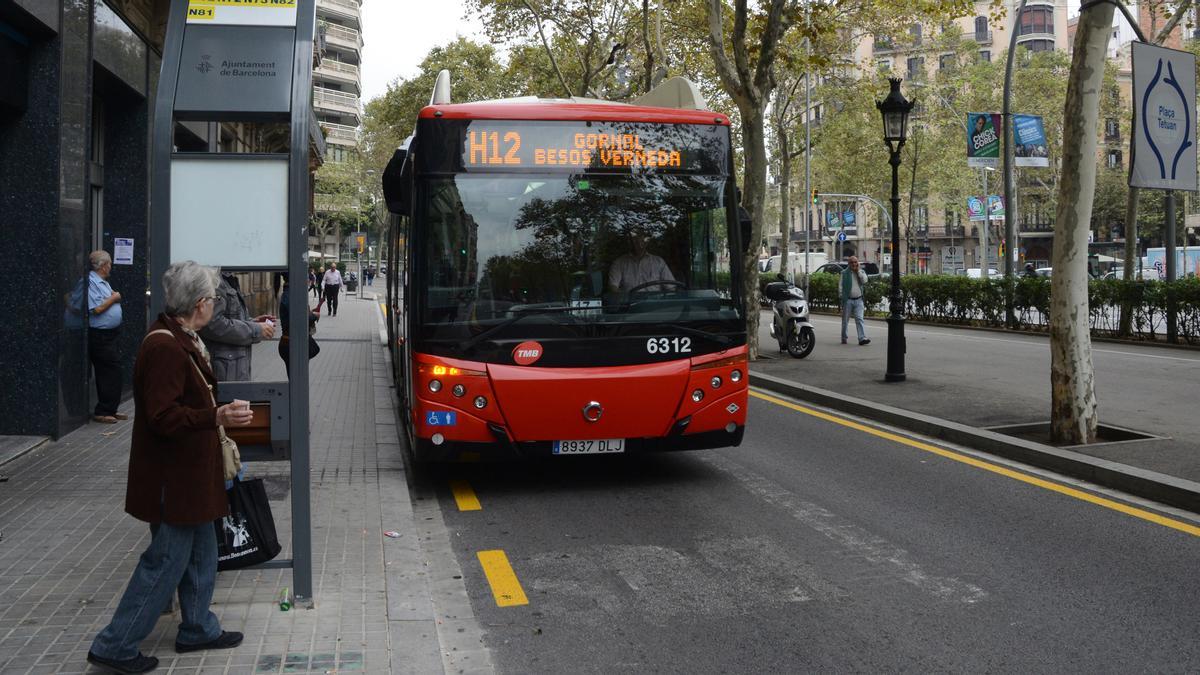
465, 346
715, 337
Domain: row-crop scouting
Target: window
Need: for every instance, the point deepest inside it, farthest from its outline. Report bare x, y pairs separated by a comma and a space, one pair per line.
1114, 159
981, 29
96, 173
883, 43
946, 62
1039, 45
916, 67
915, 33
920, 220
1112, 130
1037, 20
985, 55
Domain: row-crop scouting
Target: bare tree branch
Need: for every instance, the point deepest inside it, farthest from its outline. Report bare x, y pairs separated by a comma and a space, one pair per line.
716, 46
546, 44
1180, 11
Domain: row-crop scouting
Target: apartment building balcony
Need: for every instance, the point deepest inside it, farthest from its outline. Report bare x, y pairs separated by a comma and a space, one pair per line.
1037, 229
337, 102
344, 9
340, 134
983, 37
336, 71
342, 36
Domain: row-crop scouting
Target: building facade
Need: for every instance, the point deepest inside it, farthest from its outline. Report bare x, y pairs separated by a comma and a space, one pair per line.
337, 92
78, 81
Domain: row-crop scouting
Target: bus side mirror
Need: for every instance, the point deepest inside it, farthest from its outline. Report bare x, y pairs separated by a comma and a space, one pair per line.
397, 190
745, 226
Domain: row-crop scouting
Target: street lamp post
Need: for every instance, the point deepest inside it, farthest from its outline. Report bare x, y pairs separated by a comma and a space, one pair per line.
895, 109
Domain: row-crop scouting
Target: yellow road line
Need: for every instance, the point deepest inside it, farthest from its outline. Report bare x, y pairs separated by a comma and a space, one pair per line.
980, 464
384, 308
464, 496
505, 587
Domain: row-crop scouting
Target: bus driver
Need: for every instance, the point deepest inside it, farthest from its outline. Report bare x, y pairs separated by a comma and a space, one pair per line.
638, 267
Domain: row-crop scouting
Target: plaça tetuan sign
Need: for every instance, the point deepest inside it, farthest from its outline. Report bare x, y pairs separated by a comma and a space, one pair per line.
242, 12
1164, 118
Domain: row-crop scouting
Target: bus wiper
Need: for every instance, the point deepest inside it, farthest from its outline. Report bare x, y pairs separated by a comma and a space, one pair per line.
715, 337
465, 346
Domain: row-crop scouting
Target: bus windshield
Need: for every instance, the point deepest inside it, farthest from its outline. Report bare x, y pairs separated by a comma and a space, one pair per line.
582, 255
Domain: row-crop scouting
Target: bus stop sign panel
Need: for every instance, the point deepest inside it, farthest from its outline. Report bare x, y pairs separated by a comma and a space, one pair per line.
236, 69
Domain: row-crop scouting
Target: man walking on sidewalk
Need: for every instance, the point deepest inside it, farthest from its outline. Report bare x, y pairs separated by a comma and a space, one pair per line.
333, 285
853, 282
104, 331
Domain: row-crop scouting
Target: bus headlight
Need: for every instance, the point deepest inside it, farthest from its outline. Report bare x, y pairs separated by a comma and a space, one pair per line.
698, 395
435, 386
735, 376
480, 402
716, 382
458, 390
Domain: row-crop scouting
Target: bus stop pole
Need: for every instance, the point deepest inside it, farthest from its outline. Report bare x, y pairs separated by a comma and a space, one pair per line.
298, 187
1172, 319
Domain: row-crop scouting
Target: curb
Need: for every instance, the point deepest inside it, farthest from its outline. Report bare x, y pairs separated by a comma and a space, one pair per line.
8, 459
1151, 485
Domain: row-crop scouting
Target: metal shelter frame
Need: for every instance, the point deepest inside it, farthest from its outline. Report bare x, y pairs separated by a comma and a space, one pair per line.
289, 400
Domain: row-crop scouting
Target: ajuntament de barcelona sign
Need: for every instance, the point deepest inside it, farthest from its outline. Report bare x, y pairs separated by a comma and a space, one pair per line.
242, 12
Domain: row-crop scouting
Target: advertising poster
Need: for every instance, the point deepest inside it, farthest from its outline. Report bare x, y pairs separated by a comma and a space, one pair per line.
1029, 139
995, 208
983, 140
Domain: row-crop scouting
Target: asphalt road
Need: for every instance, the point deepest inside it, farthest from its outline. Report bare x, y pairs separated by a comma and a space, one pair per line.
988, 378
816, 547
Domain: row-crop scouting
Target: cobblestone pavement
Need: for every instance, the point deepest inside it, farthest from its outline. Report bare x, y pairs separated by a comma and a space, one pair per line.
68, 548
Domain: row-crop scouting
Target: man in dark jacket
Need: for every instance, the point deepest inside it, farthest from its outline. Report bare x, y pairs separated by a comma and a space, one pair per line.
231, 332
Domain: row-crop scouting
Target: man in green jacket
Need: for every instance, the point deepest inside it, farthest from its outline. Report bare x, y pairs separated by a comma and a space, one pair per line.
852, 287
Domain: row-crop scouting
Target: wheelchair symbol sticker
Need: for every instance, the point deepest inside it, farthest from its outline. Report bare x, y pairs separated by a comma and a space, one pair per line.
441, 418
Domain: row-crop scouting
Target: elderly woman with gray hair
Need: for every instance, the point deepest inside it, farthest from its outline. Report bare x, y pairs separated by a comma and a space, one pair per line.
176, 479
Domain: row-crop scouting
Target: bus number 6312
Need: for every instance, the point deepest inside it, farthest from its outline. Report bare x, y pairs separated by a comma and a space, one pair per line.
676, 345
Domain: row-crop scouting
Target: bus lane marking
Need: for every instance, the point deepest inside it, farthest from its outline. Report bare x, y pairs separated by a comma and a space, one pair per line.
862, 544
506, 589
1110, 504
464, 496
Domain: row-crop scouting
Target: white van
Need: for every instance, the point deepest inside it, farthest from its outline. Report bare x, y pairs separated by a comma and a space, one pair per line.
772, 264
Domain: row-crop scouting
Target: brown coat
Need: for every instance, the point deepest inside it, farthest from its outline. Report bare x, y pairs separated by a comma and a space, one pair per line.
175, 465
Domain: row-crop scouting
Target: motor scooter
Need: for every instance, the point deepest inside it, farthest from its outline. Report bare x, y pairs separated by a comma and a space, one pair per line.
789, 320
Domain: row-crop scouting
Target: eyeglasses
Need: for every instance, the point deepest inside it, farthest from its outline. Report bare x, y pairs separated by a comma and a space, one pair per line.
210, 298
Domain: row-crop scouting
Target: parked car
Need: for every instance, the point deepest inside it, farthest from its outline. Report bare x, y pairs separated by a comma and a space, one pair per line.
977, 273
870, 268
1144, 274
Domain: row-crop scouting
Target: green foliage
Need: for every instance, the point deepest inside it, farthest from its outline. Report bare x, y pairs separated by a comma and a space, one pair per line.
977, 302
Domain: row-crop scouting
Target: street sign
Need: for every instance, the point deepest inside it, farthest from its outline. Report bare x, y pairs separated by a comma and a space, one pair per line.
1164, 127
841, 236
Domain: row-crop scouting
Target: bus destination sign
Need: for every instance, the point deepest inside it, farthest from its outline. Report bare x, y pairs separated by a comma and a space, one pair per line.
492, 145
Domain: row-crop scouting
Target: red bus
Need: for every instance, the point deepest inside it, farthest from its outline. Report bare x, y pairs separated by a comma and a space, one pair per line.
560, 279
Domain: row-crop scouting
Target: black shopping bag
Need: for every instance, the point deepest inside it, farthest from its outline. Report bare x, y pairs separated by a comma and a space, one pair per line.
247, 535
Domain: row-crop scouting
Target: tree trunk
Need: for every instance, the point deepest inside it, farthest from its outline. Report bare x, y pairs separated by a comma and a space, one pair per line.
1073, 407
754, 191
785, 197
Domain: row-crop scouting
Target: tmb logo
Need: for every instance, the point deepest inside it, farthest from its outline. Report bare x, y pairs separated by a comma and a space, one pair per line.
527, 353
204, 66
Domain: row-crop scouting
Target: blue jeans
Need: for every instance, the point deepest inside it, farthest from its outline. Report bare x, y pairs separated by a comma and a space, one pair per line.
180, 557
853, 306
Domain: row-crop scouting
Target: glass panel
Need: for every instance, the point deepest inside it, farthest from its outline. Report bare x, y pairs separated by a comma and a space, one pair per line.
583, 253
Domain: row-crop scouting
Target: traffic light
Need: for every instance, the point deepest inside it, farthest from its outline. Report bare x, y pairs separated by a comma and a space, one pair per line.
816, 197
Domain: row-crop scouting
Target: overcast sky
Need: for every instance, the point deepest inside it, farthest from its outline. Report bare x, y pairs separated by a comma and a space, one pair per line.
399, 33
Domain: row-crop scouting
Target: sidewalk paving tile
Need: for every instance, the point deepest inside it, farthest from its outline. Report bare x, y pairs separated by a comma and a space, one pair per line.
68, 548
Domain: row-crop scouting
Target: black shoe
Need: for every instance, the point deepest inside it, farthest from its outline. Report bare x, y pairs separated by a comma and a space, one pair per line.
138, 664
864, 341
227, 640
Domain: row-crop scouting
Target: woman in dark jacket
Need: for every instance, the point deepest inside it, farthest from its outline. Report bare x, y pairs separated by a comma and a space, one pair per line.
176, 479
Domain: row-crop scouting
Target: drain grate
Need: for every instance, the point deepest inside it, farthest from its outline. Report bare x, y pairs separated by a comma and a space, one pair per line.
1106, 434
